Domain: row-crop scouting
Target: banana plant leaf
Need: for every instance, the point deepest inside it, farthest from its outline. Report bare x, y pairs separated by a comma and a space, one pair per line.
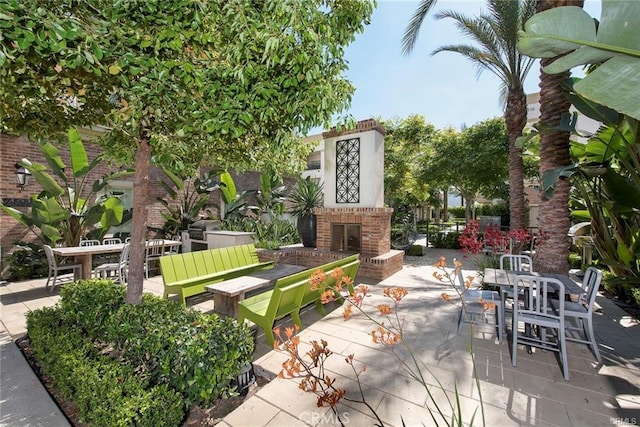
79, 159
614, 44
46, 181
228, 187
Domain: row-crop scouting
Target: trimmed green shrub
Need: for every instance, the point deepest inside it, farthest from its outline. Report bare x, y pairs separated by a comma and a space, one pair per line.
575, 260
105, 392
446, 240
414, 250
158, 342
456, 211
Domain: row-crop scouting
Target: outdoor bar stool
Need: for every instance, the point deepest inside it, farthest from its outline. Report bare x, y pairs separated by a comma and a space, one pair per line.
519, 263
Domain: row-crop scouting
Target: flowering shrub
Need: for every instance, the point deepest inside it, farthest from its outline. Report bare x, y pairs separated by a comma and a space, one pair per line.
474, 242
309, 367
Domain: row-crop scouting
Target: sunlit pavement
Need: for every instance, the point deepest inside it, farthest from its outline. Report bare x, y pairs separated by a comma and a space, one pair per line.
533, 393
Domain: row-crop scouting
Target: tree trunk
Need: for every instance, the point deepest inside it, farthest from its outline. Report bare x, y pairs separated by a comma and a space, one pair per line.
445, 204
139, 223
515, 117
553, 216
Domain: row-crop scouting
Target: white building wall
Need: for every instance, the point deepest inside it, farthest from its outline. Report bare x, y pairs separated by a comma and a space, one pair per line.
371, 170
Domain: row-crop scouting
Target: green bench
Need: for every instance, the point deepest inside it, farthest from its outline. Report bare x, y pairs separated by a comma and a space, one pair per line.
187, 274
290, 294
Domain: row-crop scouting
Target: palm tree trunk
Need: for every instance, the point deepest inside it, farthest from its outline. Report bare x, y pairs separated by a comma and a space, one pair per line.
515, 119
554, 217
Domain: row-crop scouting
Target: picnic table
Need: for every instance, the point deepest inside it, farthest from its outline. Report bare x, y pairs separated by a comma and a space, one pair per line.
227, 294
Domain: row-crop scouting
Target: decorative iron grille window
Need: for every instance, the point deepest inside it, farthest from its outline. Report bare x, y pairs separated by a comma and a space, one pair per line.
348, 171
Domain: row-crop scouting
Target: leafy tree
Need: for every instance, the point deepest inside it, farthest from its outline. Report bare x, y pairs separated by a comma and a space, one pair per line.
404, 141
496, 35
182, 82
473, 161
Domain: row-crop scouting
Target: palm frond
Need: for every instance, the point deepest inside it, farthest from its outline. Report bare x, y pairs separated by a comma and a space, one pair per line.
496, 35
412, 31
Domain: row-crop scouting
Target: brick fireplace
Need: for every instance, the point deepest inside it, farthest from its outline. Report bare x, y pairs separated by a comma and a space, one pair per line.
353, 219
374, 230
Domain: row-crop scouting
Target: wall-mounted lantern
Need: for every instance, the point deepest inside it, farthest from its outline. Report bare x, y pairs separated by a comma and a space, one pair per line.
23, 177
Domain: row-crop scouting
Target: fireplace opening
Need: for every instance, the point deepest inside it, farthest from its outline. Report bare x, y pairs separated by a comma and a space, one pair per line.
346, 237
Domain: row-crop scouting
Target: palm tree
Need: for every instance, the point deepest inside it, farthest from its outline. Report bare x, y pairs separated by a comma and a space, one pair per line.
497, 35
554, 217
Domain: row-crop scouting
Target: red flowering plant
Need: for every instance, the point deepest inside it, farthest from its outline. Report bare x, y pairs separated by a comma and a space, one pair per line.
387, 330
488, 246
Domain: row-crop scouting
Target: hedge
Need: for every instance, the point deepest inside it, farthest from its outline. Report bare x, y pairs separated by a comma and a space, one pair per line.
155, 357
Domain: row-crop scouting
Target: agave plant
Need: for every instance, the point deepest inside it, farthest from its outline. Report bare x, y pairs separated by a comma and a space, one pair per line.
306, 196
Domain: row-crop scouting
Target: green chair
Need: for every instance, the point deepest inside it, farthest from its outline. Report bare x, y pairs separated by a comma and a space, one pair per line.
265, 308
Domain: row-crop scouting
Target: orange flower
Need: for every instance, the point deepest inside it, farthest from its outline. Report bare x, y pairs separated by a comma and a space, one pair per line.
385, 309
337, 273
445, 296
441, 263
487, 305
396, 293
384, 336
348, 312
317, 278
327, 296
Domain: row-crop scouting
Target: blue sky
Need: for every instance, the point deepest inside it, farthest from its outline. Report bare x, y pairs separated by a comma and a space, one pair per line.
443, 88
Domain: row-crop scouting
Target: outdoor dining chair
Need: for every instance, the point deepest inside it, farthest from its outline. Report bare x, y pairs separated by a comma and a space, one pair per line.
54, 268
153, 251
473, 310
120, 269
582, 312
91, 242
540, 316
512, 262
111, 241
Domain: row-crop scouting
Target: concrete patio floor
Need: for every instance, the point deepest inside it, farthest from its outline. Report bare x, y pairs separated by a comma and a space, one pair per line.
533, 393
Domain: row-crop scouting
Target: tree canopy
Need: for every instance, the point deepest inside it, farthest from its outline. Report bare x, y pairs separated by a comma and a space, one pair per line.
405, 140
180, 82
473, 161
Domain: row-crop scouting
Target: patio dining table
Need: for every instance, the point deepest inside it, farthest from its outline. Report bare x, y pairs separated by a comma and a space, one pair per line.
84, 254
507, 279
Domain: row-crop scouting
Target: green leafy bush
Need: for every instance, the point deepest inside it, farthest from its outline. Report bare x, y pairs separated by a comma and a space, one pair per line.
188, 352
274, 233
446, 240
575, 260
456, 211
27, 262
105, 392
414, 250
